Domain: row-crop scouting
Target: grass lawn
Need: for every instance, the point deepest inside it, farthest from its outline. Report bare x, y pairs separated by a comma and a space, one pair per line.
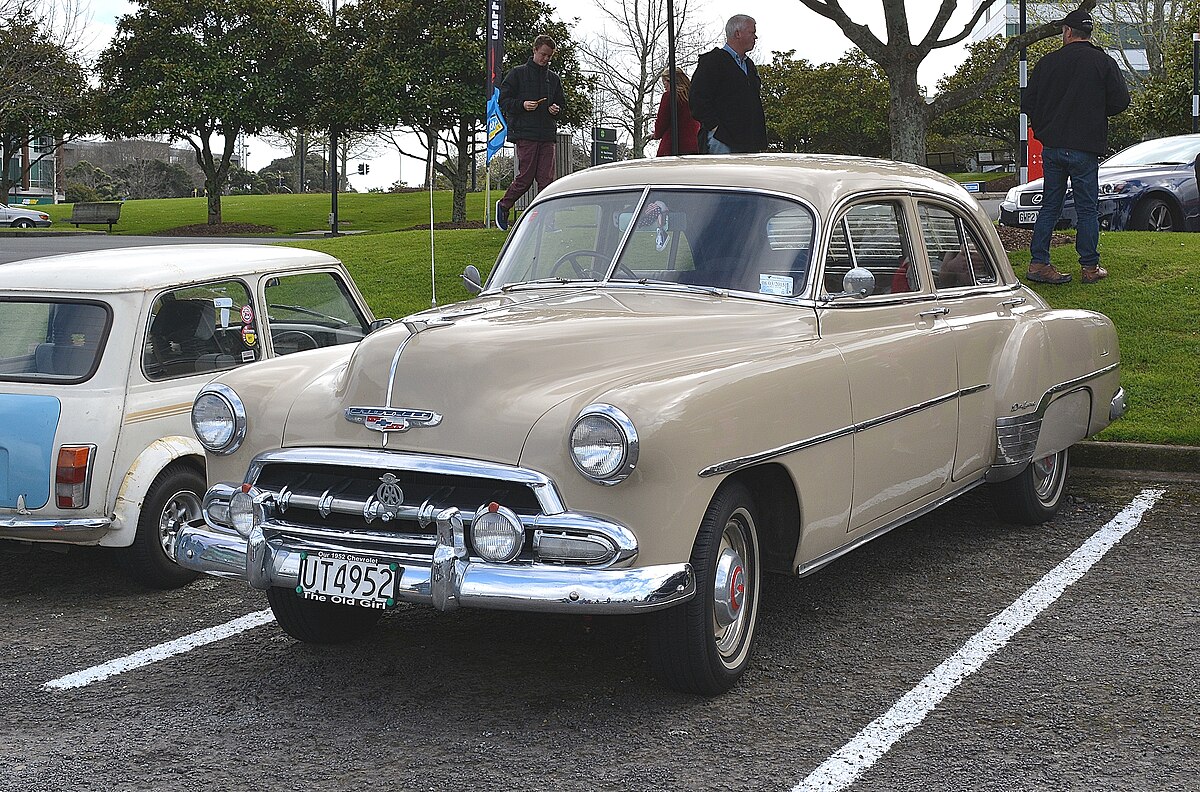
287, 214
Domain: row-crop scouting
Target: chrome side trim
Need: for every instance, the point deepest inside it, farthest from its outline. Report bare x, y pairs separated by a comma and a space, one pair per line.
450, 581
730, 465
820, 561
543, 488
1118, 406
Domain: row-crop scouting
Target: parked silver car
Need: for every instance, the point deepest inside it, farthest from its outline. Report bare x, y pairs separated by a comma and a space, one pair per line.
21, 217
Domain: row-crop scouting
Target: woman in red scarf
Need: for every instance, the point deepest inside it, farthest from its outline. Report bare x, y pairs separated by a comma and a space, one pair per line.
688, 126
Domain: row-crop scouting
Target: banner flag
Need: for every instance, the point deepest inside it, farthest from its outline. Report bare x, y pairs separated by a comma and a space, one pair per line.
497, 130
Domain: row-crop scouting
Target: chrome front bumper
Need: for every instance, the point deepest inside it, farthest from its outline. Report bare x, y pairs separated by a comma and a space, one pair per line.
267, 558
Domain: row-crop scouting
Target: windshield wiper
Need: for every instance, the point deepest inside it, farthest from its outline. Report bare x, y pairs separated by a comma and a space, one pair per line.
510, 286
338, 321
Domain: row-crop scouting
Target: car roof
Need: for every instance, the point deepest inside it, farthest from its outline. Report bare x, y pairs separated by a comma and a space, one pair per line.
821, 179
152, 267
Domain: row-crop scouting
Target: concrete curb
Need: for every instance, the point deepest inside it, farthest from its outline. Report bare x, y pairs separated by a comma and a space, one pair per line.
1136, 456
48, 232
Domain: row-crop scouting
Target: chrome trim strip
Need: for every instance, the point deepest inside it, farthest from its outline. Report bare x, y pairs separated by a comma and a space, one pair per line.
76, 525
382, 459
820, 561
265, 561
730, 465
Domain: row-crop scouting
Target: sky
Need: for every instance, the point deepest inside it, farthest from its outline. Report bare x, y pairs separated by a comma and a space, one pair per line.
782, 25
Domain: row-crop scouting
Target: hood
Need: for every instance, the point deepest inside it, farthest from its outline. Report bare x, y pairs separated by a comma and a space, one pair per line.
1138, 173
491, 367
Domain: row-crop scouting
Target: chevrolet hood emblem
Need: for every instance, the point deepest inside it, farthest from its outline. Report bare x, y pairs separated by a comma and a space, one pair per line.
391, 419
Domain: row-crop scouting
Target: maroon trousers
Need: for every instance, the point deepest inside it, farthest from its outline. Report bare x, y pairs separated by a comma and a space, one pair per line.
536, 160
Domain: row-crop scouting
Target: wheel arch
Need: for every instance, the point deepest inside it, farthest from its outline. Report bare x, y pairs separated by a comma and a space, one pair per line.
148, 466
1170, 198
778, 502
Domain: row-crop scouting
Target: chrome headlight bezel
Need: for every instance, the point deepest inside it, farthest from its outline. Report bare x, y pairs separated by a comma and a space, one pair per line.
223, 397
605, 416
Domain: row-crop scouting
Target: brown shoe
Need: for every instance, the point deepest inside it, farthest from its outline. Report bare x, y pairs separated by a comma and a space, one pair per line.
1093, 274
1046, 273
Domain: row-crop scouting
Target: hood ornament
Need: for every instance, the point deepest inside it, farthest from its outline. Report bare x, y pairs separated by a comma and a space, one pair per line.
391, 419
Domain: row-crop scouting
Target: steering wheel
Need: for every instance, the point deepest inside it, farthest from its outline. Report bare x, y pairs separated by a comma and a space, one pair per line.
297, 338
573, 259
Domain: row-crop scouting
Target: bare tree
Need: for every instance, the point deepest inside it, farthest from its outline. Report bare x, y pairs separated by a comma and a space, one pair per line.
628, 59
909, 113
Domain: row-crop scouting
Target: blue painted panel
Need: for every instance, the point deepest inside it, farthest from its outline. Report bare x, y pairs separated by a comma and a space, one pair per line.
27, 426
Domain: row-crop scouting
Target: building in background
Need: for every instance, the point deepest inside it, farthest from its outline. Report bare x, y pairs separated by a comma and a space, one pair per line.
37, 184
1004, 18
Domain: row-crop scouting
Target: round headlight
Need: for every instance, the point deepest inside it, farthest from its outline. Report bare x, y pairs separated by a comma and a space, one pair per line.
604, 444
219, 419
497, 533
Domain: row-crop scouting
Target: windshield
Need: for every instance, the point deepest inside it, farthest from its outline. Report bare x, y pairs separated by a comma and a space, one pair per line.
704, 238
1170, 151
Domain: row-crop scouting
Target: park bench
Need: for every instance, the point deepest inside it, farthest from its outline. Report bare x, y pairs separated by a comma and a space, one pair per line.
108, 212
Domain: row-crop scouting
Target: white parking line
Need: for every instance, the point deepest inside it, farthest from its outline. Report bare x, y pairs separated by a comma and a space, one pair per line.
160, 652
857, 756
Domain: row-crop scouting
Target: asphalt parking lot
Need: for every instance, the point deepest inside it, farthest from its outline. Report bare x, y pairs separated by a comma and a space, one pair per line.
1098, 691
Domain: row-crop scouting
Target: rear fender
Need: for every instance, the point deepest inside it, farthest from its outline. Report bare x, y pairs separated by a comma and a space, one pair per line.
137, 481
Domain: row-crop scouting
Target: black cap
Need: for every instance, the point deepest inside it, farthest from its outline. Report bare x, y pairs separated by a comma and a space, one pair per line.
1077, 19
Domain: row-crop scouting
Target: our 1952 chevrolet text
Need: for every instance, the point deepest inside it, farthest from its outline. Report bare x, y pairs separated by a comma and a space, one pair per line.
681, 374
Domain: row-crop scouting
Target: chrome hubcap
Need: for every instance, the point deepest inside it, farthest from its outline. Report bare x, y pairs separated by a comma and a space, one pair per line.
182, 507
1046, 473
735, 586
730, 593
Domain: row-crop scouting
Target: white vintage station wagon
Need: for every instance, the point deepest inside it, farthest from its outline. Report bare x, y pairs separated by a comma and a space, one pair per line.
101, 355
682, 373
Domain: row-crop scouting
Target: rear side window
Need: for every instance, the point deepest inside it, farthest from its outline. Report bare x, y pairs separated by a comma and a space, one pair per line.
200, 329
955, 255
51, 341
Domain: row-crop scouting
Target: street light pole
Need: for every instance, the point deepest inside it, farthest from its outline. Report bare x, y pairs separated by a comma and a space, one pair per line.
333, 144
671, 87
1023, 120
1196, 82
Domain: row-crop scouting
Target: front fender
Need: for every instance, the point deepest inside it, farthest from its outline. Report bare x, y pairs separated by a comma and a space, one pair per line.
141, 474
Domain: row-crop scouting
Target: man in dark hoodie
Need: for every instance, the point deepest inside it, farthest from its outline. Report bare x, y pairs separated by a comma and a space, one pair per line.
1069, 99
531, 98
726, 95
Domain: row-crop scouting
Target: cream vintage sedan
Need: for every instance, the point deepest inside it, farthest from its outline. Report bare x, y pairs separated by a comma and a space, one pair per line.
682, 374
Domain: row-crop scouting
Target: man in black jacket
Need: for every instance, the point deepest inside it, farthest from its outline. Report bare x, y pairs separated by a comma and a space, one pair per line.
1070, 96
531, 98
726, 95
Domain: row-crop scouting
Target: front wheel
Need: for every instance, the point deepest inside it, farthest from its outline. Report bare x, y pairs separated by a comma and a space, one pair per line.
319, 622
23, 222
704, 645
172, 501
1036, 495
1152, 214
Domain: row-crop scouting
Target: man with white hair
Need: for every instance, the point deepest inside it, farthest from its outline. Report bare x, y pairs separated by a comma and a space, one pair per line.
726, 95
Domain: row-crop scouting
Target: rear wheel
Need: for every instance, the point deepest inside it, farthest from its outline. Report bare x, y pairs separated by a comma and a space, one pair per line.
23, 222
1153, 214
319, 622
172, 500
704, 645
1036, 495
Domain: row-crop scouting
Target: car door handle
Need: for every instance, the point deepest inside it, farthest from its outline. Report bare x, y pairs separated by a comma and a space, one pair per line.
939, 311
1014, 302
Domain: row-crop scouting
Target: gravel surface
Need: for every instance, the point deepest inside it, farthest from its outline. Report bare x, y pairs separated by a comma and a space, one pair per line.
1098, 693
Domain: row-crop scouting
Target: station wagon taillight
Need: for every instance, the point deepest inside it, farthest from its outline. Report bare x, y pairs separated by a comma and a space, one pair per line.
72, 476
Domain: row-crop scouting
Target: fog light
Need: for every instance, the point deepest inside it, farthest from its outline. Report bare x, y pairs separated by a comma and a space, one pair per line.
245, 510
497, 533
571, 548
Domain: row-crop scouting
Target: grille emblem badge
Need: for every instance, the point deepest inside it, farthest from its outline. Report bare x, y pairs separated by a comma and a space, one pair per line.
391, 419
389, 493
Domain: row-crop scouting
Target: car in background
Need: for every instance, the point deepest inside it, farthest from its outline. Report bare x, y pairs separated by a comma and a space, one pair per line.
683, 373
101, 355
23, 217
1150, 186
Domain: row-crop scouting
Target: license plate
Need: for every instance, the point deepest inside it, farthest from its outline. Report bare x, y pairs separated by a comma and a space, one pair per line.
346, 579
1027, 218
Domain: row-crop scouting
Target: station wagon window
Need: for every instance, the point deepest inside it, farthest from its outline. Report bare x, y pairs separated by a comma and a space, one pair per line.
311, 310
48, 340
955, 255
872, 236
200, 329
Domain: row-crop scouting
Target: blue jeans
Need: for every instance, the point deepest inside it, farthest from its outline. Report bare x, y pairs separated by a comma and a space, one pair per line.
1082, 168
715, 146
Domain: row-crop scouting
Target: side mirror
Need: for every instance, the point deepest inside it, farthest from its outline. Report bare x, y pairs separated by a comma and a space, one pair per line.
471, 280
858, 282
377, 324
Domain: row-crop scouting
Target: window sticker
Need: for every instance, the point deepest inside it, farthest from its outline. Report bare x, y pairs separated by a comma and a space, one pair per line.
247, 314
249, 337
247, 355
780, 285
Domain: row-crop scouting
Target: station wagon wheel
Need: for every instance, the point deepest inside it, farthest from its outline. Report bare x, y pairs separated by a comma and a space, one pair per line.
704, 645
1036, 495
319, 622
172, 500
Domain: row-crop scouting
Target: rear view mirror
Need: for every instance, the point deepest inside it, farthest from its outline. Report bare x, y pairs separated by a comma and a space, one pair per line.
471, 279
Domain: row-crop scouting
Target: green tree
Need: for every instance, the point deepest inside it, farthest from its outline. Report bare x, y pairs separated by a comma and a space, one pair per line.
833, 108
1163, 106
87, 182
206, 72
